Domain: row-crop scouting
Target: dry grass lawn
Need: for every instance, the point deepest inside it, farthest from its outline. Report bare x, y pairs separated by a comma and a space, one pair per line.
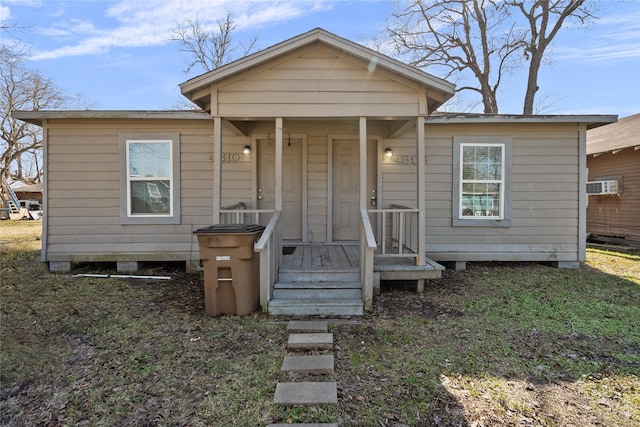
498, 344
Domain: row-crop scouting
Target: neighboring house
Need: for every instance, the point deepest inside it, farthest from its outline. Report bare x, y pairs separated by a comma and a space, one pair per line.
30, 195
339, 152
613, 162
20, 200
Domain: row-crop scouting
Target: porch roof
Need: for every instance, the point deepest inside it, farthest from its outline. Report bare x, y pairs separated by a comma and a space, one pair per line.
437, 86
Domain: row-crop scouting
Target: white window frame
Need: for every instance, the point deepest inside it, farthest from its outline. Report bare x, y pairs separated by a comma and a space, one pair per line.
500, 181
126, 214
504, 218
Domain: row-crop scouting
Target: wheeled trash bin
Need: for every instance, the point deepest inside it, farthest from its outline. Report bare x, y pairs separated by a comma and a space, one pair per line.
231, 268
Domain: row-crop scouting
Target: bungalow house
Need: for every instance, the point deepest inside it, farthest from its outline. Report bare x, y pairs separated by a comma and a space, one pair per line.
613, 162
340, 153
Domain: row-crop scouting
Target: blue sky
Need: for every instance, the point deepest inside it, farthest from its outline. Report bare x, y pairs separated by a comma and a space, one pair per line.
117, 53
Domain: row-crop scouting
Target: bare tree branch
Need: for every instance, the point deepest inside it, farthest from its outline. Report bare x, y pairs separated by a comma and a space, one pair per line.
22, 89
205, 49
481, 38
545, 19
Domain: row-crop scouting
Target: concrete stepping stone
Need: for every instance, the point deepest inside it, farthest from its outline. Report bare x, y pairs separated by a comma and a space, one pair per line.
303, 425
300, 326
320, 341
306, 393
322, 364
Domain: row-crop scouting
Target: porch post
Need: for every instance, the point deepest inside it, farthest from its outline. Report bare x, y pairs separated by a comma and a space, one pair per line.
217, 168
363, 162
422, 203
278, 174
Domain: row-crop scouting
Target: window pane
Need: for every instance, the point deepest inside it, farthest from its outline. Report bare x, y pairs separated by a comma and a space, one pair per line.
480, 200
481, 163
149, 159
150, 197
494, 163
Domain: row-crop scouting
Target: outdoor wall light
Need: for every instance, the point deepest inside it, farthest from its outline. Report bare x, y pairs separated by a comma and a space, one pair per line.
388, 152
246, 150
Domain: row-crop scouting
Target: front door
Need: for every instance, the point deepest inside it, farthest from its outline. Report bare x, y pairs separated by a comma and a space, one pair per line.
291, 220
346, 186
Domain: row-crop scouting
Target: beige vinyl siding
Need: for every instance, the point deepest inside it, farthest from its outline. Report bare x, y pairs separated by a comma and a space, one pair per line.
316, 81
616, 215
317, 192
83, 190
399, 183
544, 196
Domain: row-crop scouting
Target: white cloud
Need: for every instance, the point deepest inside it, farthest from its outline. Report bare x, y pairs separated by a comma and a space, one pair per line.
5, 13
618, 38
142, 25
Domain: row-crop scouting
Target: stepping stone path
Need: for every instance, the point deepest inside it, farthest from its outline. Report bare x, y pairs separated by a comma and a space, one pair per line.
307, 335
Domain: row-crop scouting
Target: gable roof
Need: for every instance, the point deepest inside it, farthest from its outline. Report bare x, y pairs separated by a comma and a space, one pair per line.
615, 136
319, 35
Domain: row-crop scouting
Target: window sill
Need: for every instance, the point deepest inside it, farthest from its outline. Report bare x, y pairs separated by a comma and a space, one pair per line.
149, 220
477, 222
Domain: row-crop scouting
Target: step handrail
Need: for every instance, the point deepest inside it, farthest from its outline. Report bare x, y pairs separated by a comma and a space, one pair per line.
269, 246
368, 248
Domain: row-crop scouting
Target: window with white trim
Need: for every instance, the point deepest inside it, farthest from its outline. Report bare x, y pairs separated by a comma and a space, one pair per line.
482, 181
149, 175
149, 178
482, 169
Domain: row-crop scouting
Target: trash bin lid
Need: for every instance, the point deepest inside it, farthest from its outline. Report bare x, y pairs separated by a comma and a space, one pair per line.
230, 228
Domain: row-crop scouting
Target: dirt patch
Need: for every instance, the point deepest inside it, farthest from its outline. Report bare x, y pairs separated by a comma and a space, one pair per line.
400, 298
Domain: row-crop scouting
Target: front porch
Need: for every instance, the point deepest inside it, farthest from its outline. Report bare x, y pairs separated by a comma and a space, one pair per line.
337, 278
325, 279
324, 142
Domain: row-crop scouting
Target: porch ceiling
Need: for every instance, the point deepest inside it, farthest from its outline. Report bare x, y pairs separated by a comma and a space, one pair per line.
246, 126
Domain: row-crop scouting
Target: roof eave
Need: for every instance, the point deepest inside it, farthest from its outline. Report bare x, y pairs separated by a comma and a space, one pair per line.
592, 121
37, 117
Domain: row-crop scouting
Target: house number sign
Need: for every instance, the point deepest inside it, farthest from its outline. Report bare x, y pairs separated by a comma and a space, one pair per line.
407, 159
229, 157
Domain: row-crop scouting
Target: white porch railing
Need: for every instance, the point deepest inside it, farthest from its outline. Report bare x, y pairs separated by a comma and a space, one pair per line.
270, 248
237, 214
402, 238
367, 251
234, 214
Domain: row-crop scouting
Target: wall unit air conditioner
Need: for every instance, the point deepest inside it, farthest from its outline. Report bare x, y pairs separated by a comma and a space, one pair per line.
602, 187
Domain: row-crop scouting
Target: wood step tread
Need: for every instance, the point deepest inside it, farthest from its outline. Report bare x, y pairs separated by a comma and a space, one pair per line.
319, 270
316, 301
329, 294
313, 306
318, 285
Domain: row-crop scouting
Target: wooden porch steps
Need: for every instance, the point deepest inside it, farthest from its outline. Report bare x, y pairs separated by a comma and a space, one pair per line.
319, 275
319, 280
335, 298
311, 306
317, 290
